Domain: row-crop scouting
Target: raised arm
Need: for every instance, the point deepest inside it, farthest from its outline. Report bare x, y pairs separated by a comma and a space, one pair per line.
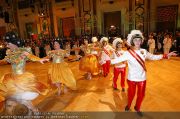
158, 57
35, 58
153, 57
64, 52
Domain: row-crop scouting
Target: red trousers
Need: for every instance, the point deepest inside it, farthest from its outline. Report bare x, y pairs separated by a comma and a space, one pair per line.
141, 86
106, 68
116, 74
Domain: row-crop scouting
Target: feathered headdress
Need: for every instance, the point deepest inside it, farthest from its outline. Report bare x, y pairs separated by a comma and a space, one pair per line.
103, 39
117, 40
94, 39
134, 34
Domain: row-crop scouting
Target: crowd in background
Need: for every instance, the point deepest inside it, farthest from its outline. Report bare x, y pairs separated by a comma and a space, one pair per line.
155, 43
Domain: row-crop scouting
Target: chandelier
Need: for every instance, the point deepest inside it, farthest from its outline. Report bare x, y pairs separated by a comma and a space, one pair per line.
42, 7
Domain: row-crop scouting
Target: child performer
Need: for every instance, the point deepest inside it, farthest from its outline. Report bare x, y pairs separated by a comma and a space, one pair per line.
105, 55
89, 62
120, 67
135, 58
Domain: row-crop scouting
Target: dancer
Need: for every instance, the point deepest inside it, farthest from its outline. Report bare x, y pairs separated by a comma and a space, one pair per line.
135, 57
105, 55
60, 74
68, 48
20, 85
89, 63
76, 50
121, 67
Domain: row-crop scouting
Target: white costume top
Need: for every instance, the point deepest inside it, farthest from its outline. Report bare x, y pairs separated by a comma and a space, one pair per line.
68, 49
151, 43
136, 72
167, 42
105, 57
115, 55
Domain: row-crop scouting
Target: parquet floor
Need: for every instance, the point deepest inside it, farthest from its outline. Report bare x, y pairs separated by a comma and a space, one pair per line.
162, 92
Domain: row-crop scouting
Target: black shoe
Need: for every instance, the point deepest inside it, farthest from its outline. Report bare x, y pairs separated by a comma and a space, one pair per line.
126, 108
123, 90
139, 113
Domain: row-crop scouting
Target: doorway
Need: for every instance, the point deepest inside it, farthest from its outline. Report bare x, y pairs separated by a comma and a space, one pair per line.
112, 23
68, 26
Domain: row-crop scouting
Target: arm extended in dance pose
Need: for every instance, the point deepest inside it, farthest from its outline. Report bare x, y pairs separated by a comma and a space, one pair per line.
148, 55
35, 58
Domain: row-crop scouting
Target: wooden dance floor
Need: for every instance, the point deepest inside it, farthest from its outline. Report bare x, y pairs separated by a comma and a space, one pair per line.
162, 92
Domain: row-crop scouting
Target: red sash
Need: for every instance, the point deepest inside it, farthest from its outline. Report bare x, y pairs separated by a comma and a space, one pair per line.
138, 58
106, 52
117, 53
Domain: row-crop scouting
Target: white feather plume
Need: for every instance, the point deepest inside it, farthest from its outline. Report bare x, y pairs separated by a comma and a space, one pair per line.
116, 41
104, 39
133, 32
94, 39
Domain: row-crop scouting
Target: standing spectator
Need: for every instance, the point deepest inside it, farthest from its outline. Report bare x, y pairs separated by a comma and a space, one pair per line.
151, 43
76, 47
155, 39
145, 42
167, 44
47, 48
36, 50
159, 40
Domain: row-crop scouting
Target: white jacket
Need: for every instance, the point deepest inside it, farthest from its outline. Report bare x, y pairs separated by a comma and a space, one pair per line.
121, 52
135, 70
104, 57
